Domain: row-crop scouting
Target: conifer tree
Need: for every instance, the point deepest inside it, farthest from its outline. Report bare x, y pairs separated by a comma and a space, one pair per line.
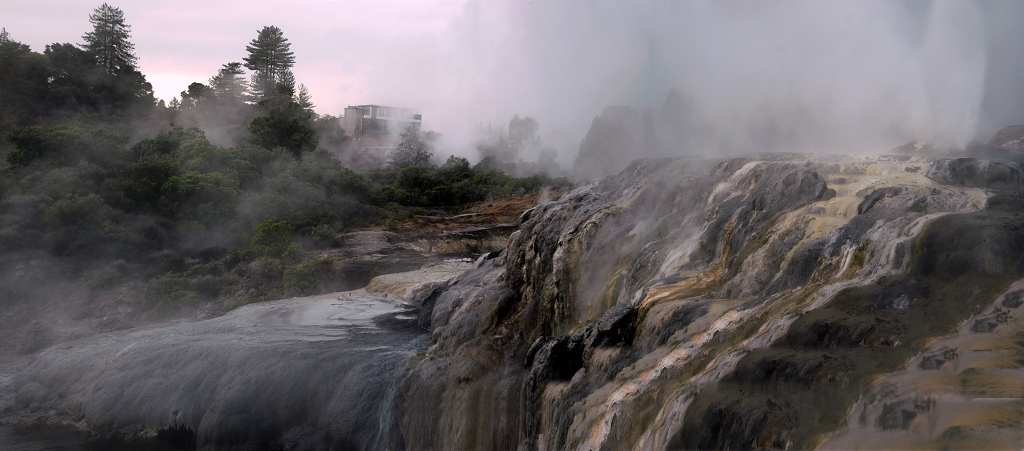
229, 83
286, 84
108, 41
304, 99
270, 59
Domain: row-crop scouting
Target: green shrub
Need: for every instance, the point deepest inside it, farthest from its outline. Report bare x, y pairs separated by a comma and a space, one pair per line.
273, 239
268, 270
322, 233
106, 277
169, 292
237, 302
307, 275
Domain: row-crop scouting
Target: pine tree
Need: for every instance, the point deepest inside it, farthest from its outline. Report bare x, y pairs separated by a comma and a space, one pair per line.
270, 59
229, 83
286, 84
195, 94
304, 99
108, 42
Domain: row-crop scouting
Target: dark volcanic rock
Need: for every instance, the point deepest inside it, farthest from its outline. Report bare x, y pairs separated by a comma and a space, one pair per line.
898, 415
1009, 137
988, 323
1014, 299
876, 196
993, 174
694, 304
545, 303
936, 359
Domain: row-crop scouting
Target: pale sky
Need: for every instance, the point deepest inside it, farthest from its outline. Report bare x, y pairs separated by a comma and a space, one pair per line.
179, 42
839, 72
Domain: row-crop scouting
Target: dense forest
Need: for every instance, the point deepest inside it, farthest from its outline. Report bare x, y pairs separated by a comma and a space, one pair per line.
228, 187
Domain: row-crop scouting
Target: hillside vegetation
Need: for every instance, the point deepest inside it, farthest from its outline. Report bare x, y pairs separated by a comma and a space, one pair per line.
219, 195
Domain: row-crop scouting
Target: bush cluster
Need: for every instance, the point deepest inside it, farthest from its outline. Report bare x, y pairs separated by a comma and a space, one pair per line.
453, 183
203, 222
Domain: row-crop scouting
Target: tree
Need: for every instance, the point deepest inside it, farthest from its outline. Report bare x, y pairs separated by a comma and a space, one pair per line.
74, 74
331, 133
304, 99
24, 82
522, 133
285, 84
269, 58
190, 98
100, 75
108, 41
283, 125
229, 83
411, 151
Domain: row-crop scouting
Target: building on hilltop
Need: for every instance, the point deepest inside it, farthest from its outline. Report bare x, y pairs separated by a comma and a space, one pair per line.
376, 128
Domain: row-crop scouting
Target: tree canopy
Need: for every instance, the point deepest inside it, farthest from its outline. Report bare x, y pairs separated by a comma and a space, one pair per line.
229, 83
209, 197
108, 41
412, 150
23, 82
284, 124
270, 58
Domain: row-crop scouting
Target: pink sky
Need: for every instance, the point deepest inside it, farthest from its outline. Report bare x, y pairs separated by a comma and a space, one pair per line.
336, 43
844, 75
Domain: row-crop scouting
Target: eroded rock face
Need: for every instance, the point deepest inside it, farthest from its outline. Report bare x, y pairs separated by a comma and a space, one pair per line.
776, 302
700, 304
1011, 137
990, 174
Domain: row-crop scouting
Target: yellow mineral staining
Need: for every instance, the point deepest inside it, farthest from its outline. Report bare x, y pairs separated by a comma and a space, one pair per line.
960, 412
988, 360
693, 284
972, 397
985, 366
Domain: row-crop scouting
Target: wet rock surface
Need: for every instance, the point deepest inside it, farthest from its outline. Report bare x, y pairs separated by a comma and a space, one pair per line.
991, 174
308, 373
695, 304
1011, 137
782, 301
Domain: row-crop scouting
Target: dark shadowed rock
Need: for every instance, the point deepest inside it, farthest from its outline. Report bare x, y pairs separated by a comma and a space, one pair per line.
1013, 299
994, 174
1011, 137
935, 360
898, 415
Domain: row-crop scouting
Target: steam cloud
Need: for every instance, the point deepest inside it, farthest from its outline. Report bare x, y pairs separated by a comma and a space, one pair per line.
766, 76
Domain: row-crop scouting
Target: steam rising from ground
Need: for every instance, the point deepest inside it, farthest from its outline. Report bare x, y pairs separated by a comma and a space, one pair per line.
804, 76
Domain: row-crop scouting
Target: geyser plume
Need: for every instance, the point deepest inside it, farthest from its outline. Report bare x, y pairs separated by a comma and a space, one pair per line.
803, 76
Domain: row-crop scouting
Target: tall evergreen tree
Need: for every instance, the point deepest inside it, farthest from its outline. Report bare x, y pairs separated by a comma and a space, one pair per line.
195, 93
270, 59
304, 99
286, 84
229, 83
108, 41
